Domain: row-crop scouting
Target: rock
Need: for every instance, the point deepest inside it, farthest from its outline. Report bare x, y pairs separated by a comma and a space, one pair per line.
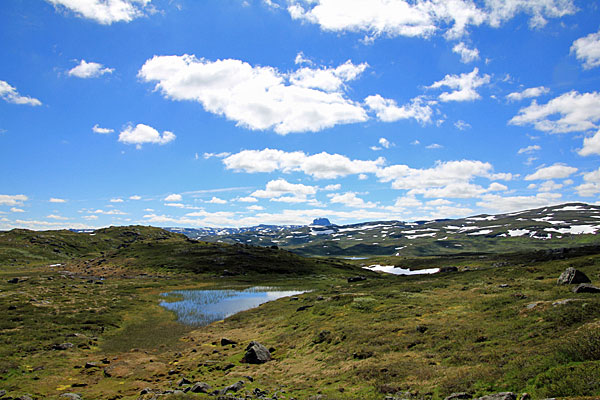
585, 288
356, 279
302, 308
225, 341
12, 307
2, 393
184, 381
200, 387
499, 396
362, 355
62, 346
422, 329
25, 397
525, 396
233, 388
571, 276
90, 365
256, 353
70, 396
146, 391
448, 269
13, 280
459, 396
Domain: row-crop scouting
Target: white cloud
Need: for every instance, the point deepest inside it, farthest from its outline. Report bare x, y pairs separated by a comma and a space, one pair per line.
90, 217
556, 171
173, 198
300, 59
330, 188
56, 200
591, 145
467, 55
104, 12
319, 166
529, 149
386, 144
350, 199
144, 134
527, 93
549, 186
247, 199
135, 197
57, 217
103, 131
176, 205
591, 185
282, 190
570, 112
116, 200
421, 18
497, 203
407, 202
255, 208
9, 93
216, 200
89, 70
462, 125
16, 210
434, 146
206, 156
109, 212
387, 110
464, 86
259, 98
459, 190
587, 50
12, 200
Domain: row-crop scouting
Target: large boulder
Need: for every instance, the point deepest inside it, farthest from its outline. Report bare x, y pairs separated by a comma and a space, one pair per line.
586, 288
256, 353
200, 387
499, 396
571, 276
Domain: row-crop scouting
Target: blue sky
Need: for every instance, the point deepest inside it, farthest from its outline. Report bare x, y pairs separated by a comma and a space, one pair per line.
241, 112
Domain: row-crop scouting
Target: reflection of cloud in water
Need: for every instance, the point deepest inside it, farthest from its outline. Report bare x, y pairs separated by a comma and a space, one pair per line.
392, 269
202, 307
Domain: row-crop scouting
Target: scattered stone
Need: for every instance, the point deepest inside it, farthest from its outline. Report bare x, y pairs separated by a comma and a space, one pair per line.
25, 397
525, 396
200, 387
13, 280
91, 365
320, 298
2, 393
302, 308
171, 372
422, 329
586, 288
459, 396
184, 381
256, 353
481, 339
62, 346
12, 307
295, 298
70, 396
448, 269
233, 388
225, 342
356, 279
362, 355
503, 286
499, 396
571, 276
563, 302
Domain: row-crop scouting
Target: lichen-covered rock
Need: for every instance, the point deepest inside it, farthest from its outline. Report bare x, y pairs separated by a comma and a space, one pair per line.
586, 288
256, 353
572, 276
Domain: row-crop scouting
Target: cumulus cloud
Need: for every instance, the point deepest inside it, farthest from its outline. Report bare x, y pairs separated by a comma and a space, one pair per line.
549, 186
141, 134
301, 59
103, 131
173, 198
116, 200
556, 171
587, 50
284, 191
462, 125
247, 199
591, 145
591, 184
422, 18
259, 98
570, 112
57, 200
350, 199
319, 166
434, 146
12, 200
216, 200
135, 197
387, 110
17, 210
102, 11
466, 54
89, 70
497, 203
529, 149
464, 86
527, 93
9, 93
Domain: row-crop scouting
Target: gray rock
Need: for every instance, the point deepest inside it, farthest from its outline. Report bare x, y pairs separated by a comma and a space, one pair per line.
146, 391
2, 393
70, 396
586, 288
448, 269
499, 396
356, 279
525, 396
256, 353
225, 341
13, 280
25, 397
200, 387
571, 276
459, 396
62, 346
233, 388
184, 381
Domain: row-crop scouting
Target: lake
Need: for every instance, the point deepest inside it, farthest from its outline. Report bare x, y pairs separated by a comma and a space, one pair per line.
203, 307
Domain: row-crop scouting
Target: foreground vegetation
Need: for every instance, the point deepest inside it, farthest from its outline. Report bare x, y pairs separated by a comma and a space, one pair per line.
498, 324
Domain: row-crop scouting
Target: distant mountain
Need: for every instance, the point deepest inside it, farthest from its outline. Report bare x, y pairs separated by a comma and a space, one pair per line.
565, 225
321, 222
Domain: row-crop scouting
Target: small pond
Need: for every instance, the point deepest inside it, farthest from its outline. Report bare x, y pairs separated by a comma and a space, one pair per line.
202, 307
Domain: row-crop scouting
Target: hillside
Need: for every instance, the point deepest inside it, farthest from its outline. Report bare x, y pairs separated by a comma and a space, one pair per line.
154, 248
565, 225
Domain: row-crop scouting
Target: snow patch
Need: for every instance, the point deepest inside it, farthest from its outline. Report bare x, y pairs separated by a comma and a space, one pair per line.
392, 269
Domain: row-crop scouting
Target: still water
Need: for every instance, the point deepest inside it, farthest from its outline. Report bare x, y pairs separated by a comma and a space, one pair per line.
202, 307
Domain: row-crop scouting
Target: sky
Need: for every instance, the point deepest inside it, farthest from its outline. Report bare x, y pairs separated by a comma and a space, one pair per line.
228, 113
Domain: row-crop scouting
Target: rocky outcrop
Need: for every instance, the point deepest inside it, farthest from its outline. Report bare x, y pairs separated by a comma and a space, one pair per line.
571, 276
499, 396
459, 396
586, 288
256, 353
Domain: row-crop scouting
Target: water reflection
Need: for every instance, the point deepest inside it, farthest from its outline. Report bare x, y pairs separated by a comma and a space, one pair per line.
202, 307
